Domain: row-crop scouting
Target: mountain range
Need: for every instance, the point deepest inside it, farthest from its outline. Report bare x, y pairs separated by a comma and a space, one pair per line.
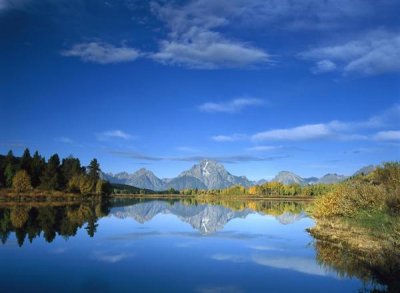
209, 174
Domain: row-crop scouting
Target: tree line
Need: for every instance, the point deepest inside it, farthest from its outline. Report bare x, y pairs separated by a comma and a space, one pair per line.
27, 173
267, 189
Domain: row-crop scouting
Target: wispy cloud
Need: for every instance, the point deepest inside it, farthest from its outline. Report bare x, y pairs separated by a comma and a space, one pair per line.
223, 159
338, 130
65, 140
303, 132
229, 138
323, 66
264, 148
102, 53
110, 258
193, 42
209, 50
114, 134
186, 149
232, 106
377, 52
389, 135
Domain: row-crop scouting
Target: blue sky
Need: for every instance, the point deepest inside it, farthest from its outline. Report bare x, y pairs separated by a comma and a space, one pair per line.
259, 85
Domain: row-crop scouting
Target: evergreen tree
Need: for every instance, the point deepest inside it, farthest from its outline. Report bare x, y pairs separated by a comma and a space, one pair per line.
94, 170
51, 178
9, 174
70, 167
2, 169
38, 167
26, 162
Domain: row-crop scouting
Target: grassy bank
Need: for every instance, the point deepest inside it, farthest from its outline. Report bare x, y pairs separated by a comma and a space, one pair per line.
358, 226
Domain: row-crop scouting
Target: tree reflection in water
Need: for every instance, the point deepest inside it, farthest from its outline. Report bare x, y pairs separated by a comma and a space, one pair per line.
28, 221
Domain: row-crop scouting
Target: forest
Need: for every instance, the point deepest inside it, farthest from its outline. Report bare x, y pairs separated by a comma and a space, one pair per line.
34, 174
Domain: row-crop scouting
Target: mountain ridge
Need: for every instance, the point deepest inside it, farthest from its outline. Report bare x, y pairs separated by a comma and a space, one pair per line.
209, 174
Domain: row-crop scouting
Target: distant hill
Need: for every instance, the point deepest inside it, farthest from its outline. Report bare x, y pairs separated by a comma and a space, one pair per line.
331, 178
142, 178
128, 189
365, 170
286, 177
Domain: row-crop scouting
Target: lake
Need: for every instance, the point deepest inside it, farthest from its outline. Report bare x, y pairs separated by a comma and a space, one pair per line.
165, 246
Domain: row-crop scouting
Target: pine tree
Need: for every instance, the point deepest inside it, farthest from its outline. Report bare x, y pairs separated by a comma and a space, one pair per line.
51, 178
9, 174
38, 167
70, 167
26, 162
94, 170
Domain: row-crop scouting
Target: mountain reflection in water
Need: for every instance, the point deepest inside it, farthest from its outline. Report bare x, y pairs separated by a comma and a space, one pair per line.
269, 234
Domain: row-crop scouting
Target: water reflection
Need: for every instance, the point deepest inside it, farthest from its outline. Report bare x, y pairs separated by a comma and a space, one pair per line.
29, 221
209, 217
378, 265
217, 236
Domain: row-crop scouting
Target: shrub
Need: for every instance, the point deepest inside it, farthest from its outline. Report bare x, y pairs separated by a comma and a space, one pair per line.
21, 181
74, 184
347, 199
86, 185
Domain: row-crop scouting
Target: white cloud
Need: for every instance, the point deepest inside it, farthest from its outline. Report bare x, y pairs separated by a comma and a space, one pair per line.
283, 14
232, 106
323, 66
64, 139
114, 134
229, 138
335, 129
209, 50
389, 135
264, 148
303, 132
377, 52
193, 42
110, 258
102, 53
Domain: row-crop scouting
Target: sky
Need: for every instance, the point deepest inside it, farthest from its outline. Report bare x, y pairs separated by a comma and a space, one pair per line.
261, 86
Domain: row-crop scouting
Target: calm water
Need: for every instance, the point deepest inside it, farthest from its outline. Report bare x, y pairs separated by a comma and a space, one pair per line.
163, 246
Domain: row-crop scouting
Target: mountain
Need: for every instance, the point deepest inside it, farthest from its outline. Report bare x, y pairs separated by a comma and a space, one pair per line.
331, 178
207, 174
213, 175
311, 180
185, 182
142, 178
286, 177
365, 170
